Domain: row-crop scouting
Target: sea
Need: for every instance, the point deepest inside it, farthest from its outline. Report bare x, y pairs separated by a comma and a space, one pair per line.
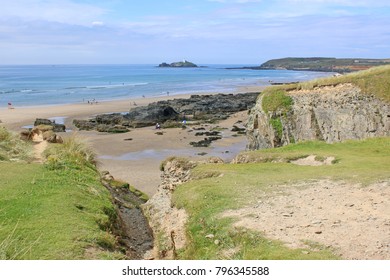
41, 85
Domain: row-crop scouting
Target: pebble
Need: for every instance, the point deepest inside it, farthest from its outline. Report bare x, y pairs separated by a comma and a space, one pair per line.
287, 214
318, 232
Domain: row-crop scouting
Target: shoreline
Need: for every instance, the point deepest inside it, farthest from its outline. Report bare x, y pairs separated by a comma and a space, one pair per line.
135, 161
20, 116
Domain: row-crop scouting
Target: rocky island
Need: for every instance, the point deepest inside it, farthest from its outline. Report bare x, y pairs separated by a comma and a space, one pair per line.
184, 64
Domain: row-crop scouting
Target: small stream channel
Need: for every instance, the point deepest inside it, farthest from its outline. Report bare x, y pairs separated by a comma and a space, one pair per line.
132, 226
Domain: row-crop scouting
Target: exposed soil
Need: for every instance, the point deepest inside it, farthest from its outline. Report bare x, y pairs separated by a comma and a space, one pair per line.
352, 220
313, 161
40, 146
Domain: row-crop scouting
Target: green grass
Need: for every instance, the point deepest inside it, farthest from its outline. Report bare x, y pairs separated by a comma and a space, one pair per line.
276, 101
374, 81
54, 211
240, 185
50, 214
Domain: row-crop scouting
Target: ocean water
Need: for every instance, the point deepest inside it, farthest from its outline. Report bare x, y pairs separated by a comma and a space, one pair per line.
35, 85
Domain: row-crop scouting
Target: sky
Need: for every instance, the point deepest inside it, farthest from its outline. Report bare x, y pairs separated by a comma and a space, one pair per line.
201, 31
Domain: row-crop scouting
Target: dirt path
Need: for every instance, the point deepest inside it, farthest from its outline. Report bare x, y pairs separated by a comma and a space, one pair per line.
354, 221
39, 148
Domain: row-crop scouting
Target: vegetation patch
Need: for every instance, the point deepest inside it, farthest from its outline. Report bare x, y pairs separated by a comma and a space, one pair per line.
276, 123
72, 154
276, 100
12, 148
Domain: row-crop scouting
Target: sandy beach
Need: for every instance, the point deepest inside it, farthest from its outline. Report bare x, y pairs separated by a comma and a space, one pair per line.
135, 156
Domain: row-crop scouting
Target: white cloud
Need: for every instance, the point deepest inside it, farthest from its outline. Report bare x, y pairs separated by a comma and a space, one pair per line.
63, 11
97, 23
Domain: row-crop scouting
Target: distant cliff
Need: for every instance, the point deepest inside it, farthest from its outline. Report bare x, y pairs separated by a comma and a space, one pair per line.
183, 63
324, 64
355, 106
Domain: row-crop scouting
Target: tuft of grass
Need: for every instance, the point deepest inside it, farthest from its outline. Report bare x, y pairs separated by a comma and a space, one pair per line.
12, 249
364, 162
12, 148
73, 153
276, 100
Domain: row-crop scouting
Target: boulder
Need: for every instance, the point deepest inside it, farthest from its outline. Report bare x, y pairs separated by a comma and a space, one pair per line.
152, 114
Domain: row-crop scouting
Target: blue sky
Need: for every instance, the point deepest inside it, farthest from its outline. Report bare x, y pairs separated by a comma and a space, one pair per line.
202, 31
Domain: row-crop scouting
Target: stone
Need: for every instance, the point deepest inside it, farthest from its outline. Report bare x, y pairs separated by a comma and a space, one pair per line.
55, 139
210, 236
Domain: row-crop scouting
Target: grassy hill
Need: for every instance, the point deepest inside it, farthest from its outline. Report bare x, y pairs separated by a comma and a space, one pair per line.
55, 211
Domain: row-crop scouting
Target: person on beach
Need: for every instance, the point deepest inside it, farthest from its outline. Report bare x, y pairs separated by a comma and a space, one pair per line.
10, 106
158, 126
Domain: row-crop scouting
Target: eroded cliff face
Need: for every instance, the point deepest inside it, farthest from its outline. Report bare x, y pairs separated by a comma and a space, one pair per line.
331, 114
168, 222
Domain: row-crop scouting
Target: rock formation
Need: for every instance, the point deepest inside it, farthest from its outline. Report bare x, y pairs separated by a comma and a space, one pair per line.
43, 130
197, 107
331, 114
55, 126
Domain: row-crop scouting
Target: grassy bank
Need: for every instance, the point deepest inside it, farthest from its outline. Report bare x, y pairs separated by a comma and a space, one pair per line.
59, 210
233, 186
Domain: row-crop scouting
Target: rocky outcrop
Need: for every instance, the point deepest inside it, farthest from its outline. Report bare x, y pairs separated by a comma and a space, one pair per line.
55, 126
43, 130
197, 107
331, 114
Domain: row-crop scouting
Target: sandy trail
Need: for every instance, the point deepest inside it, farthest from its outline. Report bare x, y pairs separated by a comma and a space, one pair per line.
352, 220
